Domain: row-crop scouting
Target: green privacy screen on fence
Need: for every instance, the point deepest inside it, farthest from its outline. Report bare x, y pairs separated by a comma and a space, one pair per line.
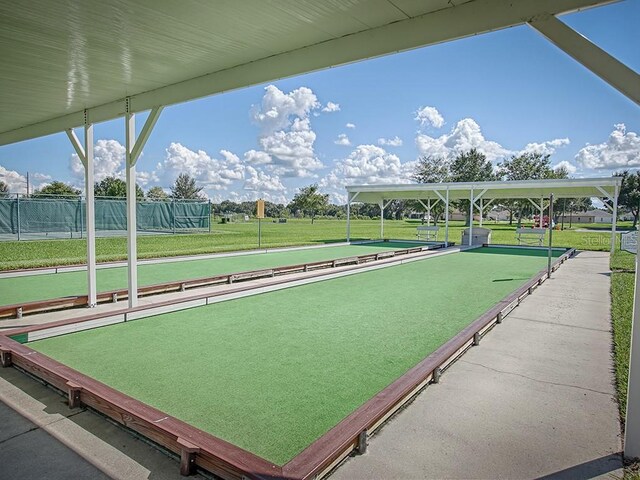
23, 216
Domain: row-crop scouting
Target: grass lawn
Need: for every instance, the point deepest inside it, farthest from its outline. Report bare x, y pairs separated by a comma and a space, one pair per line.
244, 236
622, 284
278, 370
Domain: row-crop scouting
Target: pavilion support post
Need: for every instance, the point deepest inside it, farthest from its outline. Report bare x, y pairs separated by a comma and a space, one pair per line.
446, 219
471, 199
428, 211
382, 219
85, 154
550, 226
348, 217
614, 219
541, 212
133, 149
481, 210
132, 241
632, 418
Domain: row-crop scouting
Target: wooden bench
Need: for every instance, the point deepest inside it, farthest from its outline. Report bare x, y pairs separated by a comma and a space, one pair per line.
530, 236
427, 232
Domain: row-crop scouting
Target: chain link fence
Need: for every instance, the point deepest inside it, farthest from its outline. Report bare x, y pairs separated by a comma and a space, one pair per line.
26, 218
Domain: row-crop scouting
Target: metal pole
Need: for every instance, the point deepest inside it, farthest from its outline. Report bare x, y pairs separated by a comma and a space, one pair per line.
132, 244
632, 417
614, 220
471, 218
382, 219
348, 217
18, 213
446, 220
550, 235
91, 218
259, 232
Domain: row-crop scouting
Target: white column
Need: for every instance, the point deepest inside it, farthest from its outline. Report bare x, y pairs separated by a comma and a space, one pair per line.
471, 218
481, 210
382, 219
428, 211
446, 219
91, 217
632, 422
348, 217
542, 212
614, 219
132, 253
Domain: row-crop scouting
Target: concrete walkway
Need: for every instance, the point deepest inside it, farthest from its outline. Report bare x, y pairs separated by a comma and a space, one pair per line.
535, 399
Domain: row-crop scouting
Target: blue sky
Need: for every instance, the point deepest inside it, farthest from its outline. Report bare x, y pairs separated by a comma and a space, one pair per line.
503, 93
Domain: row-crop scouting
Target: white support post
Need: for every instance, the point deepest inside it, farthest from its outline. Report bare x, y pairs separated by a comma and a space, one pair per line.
481, 211
348, 217
86, 157
91, 217
428, 212
608, 68
471, 200
446, 219
132, 243
632, 417
614, 219
541, 215
382, 219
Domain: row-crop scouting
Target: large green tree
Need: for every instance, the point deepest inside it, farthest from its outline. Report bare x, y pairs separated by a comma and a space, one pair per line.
4, 189
185, 188
629, 196
471, 166
310, 201
430, 169
114, 187
56, 189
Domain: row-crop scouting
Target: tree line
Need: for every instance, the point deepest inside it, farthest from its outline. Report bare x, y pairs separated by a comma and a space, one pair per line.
469, 166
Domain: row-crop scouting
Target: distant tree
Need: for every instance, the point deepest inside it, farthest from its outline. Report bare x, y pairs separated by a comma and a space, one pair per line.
309, 201
4, 189
114, 187
471, 166
432, 170
157, 193
185, 188
526, 166
629, 196
56, 189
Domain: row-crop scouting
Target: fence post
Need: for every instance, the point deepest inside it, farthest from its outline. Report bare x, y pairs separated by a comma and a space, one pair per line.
209, 215
173, 214
18, 213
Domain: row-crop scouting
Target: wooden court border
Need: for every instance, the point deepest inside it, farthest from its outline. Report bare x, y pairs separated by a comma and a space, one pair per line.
198, 448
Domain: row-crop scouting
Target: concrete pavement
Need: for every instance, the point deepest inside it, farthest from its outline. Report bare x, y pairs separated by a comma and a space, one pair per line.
535, 399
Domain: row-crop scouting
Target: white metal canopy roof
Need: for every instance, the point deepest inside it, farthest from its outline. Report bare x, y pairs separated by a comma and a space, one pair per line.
65, 64
564, 188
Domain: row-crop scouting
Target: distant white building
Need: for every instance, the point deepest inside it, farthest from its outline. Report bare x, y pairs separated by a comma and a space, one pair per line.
590, 216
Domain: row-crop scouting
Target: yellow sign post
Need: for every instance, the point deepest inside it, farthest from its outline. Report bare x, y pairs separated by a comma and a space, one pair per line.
260, 215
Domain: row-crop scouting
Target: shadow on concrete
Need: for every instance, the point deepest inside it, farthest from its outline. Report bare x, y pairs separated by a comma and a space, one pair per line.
159, 463
591, 469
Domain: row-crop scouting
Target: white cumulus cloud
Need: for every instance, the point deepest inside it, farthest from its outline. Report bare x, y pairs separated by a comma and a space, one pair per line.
342, 140
568, 166
621, 150
546, 148
429, 117
256, 157
17, 182
350, 125
331, 107
390, 142
464, 136
108, 161
261, 182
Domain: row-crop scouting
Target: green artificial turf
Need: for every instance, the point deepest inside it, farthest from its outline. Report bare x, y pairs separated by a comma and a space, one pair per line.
273, 372
56, 285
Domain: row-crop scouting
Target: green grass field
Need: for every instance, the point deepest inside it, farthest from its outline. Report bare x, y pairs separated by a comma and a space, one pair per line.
273, 372
244, 236
56, 285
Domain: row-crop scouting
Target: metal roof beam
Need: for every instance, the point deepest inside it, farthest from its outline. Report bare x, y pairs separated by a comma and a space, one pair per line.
447, 24
608, 68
